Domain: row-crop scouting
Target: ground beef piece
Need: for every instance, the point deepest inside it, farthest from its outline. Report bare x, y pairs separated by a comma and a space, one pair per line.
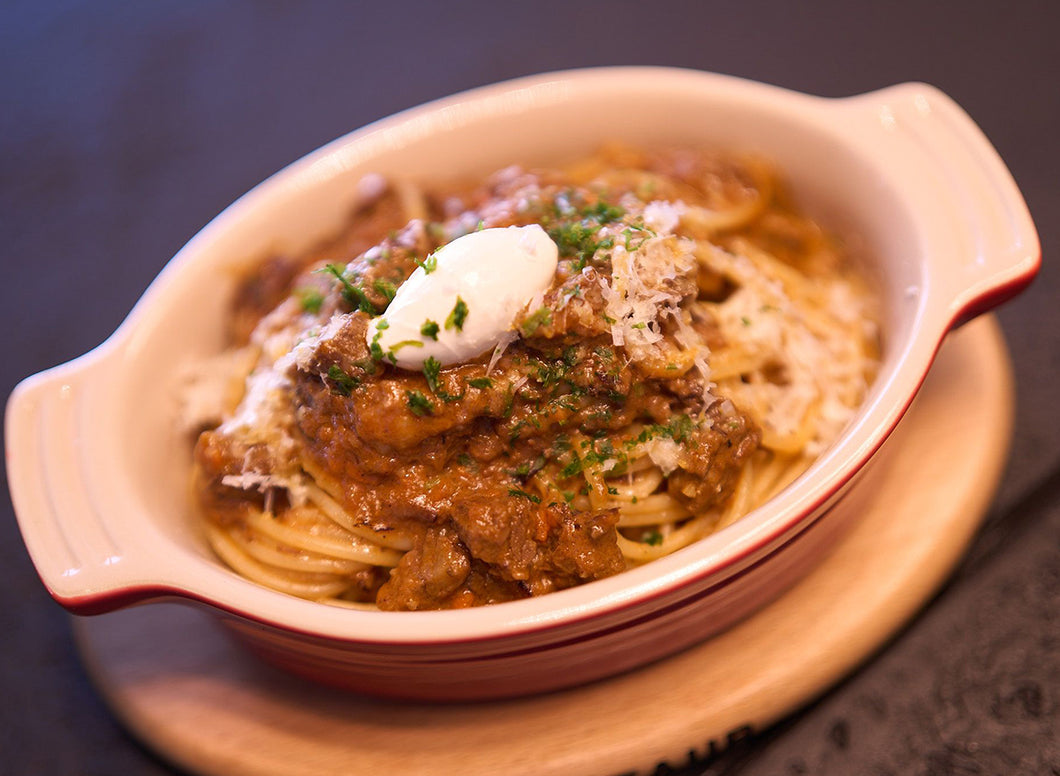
499, 548
377, 273
326, 421
544, 547
341, 346
428, 575
712, 458
575, 308
381, 413
598, 369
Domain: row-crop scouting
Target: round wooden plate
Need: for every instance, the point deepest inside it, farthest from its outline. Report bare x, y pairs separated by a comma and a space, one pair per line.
177, 681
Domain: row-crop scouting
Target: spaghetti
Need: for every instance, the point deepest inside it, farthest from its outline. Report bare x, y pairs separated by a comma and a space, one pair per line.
700, 344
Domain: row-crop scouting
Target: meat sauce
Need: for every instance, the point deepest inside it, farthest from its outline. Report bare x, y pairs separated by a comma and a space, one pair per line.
442, 457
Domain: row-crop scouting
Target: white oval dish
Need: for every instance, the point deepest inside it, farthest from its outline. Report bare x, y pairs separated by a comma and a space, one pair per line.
98, 465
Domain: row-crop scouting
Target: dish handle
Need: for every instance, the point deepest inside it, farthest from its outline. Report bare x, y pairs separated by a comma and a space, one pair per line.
983, 244
53, 455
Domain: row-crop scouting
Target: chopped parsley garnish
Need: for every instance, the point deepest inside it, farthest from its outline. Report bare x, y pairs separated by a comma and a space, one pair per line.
542, 316
392, 353
654, 538
679, 429
310, 299
457, 316
632, 233
351, 293
386, 288
431, 369
523, 494
525, 471
575, 241
341, 383
516, 430
376, 349
601, 452
480, 382
429, 329
603, 212
429, 265
578, 239
419, 404
573, 467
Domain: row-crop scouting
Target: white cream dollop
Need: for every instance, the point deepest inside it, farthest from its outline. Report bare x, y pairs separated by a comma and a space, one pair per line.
494, 272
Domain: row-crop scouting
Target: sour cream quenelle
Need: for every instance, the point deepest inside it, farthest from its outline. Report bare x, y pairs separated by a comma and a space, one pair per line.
463, 298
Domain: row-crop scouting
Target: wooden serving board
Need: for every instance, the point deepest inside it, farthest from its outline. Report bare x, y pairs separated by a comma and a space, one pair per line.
177, 681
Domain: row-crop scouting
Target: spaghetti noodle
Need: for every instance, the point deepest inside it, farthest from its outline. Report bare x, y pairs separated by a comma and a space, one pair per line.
700, 343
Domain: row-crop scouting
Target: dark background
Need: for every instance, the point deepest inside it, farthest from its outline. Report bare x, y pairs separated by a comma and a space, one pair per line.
124, 127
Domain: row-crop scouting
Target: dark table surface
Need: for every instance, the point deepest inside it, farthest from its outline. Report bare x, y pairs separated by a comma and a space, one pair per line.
124, 127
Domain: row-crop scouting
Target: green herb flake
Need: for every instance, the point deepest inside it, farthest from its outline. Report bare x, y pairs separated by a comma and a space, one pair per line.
654, 538
385, 288
341, 383
310, 299
376, 350
603, 212
480, 382
679, 429
573, 467
509, 401
542, 316
354, 295
419, 404
428, 265
523, 494
432, 367
457, 316
409, 343
575, 241
429, 329
525, 471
